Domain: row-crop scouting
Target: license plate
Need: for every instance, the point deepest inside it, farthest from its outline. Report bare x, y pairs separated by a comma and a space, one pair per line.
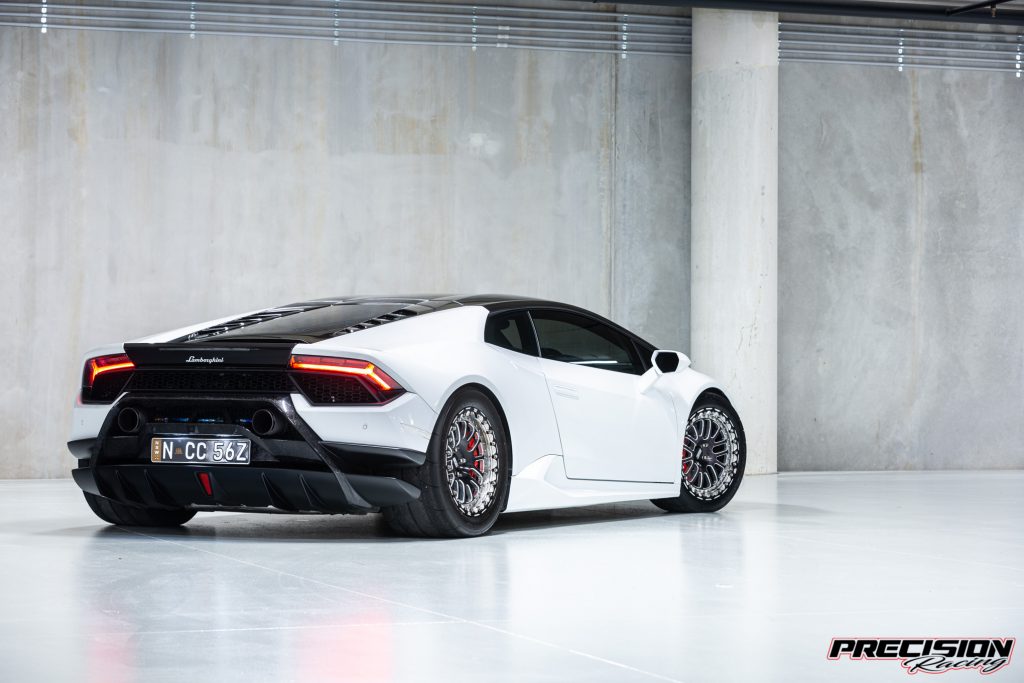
200, 451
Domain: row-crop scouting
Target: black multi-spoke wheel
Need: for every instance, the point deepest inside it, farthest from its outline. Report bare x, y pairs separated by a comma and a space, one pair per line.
710, 453
465, 480
471, 462
714, 454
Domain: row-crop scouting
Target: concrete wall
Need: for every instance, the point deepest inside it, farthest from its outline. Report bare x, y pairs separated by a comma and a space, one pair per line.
734, 168
149, 181
901, 269
295, 169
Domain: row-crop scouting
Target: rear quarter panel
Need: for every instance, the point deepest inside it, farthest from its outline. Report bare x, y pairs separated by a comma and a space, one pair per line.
436, 354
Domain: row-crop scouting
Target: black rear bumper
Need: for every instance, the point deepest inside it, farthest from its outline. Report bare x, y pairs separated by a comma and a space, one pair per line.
293, 473
240, 487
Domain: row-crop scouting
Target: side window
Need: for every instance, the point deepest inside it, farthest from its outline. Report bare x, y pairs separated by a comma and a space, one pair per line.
576, 339
511, 331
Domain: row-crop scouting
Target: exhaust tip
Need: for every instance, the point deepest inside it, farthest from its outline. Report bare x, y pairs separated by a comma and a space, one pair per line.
266, 423
130, 420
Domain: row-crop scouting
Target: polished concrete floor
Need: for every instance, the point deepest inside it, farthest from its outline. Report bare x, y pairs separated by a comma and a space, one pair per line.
608, 593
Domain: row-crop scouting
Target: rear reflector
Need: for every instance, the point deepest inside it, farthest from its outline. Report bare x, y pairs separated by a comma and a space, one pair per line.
204, 481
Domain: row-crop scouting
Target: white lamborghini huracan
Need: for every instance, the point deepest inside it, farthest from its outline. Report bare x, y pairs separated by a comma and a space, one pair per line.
441, 412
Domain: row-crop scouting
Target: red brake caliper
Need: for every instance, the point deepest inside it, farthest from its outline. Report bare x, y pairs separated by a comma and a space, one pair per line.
473, 444
686, 464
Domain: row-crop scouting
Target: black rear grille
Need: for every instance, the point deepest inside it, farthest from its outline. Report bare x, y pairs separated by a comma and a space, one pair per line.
319, 388
211, 381
330, 389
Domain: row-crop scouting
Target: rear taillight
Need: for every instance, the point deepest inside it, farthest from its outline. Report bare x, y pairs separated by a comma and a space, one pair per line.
327, 380
104, 377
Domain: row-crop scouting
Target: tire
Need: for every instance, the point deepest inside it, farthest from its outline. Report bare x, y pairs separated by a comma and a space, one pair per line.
703, 488
125, 515
453, 503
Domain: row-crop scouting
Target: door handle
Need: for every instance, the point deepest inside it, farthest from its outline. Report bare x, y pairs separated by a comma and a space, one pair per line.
567, 392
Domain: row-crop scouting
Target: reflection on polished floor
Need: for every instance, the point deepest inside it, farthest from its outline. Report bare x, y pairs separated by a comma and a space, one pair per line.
606, 593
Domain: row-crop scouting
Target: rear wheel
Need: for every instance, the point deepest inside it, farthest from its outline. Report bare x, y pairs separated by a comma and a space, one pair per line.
126, 515
714, 454
464, 482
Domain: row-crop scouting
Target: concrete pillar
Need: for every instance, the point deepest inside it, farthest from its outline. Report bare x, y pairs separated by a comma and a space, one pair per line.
734, 217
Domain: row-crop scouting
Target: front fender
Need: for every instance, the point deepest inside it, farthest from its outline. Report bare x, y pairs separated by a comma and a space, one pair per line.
685, 387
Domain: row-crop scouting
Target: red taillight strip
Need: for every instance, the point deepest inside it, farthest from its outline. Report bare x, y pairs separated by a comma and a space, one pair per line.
102, 364
343, 366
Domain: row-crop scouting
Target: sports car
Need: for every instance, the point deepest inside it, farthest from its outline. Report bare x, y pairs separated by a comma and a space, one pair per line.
438, 411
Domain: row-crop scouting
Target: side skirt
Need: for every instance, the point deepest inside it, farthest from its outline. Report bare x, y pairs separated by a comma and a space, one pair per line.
542, 485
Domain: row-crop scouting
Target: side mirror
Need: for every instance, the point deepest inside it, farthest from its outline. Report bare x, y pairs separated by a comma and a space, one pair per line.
668, 361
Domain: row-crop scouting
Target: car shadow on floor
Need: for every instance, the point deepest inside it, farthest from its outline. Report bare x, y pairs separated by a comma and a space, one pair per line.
616, 513
624, 515
349, 528
290, 528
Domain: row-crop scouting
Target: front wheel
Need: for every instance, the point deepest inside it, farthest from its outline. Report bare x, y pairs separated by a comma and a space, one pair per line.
125, 515
464, 482
714, 455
